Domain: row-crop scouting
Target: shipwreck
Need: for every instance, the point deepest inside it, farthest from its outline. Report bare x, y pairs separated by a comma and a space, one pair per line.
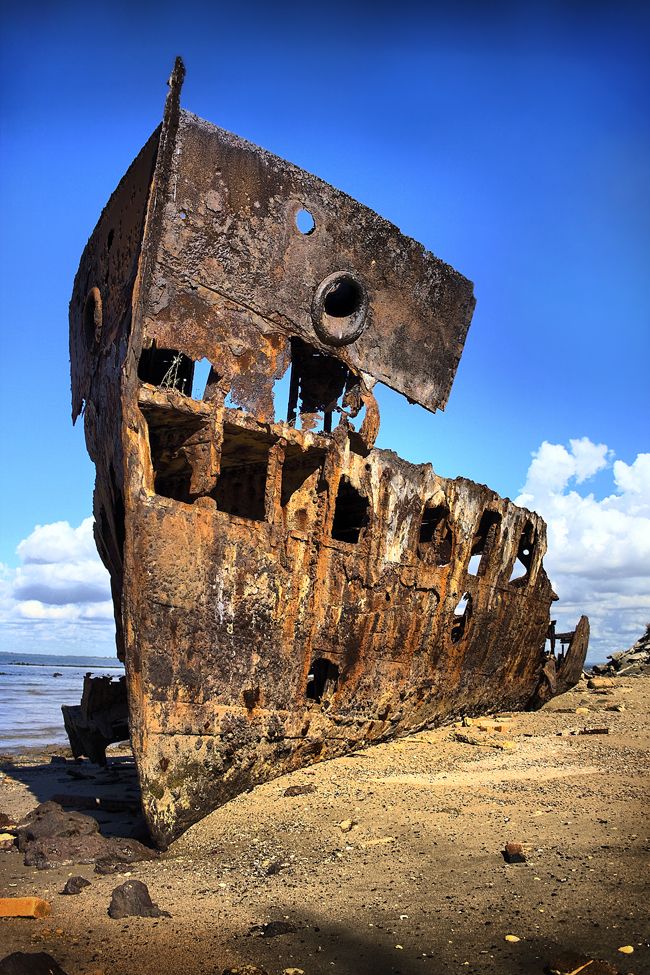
284, 592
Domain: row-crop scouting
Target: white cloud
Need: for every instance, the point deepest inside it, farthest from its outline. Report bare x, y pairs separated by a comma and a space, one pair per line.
58, 599
598, 550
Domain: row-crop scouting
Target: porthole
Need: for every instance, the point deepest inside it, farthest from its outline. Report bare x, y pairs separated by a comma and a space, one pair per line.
340, 308
305, 222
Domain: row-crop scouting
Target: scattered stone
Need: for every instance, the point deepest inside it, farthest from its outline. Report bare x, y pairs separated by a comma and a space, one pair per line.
582, 710
245, 970
600, 683
271, 867
49, 821
299, 790
132, 899
512, 938
505, 745
24, 907
56, 852
7, 822
572, 963
346, 825
7, 841
293, 971
50, 837
30, 963
594, 731
626, 949
271, 929
616, 707
629, 663
74, 885
514, 853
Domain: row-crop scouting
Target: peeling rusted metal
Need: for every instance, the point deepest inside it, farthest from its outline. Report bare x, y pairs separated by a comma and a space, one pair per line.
284, 592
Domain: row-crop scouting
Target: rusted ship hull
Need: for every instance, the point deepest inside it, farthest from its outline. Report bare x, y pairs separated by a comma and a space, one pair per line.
284, 593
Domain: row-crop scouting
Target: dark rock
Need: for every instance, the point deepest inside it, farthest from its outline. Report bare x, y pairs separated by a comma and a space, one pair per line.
514, 853
299, 790
49, 820
75, 885
6, 821
58, 760
132, 899
57, 674
29, 963
50, 852
271, 929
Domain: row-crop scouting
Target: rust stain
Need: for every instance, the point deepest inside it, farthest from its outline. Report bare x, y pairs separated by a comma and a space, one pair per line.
283, 590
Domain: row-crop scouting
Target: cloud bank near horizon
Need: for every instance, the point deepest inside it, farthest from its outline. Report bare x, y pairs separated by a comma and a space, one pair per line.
598, 555
58, 599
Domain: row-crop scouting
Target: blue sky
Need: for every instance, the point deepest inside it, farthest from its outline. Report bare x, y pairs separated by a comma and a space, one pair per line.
515, 146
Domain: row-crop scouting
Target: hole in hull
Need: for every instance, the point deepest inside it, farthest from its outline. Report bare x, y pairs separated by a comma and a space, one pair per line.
322, 680
350, 513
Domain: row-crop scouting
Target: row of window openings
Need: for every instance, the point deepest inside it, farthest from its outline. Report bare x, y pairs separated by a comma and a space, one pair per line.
241, 490
323, 677
314, 387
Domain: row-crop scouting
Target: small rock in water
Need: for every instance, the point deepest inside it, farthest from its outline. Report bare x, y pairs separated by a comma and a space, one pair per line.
132, 899
75, 885
30, 963
514, 853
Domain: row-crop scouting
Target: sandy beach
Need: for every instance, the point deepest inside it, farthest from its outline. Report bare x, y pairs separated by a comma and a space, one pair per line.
387, 861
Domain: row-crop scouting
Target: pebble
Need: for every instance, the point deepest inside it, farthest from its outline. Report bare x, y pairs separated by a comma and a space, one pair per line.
346, 825
512, 938
626, 949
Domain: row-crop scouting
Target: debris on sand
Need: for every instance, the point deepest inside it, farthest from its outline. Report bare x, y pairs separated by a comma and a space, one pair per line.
132, 899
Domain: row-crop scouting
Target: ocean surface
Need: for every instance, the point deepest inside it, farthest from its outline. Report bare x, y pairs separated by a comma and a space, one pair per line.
31, 696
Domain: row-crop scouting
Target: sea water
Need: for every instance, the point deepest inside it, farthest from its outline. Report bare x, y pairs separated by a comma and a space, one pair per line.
31, 695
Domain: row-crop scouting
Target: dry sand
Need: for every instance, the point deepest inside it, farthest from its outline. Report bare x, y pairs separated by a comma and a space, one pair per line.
416, 886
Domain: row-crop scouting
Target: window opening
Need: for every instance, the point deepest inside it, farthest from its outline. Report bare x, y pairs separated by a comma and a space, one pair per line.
166, 368
202, 371
350, 513
305, 222
462, 616
524, 558
322, 680
178, 443
483, 543
435, 540
301, 477
241, 486
317, 385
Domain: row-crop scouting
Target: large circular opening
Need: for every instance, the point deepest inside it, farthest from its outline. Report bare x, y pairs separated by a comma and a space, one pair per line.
344, 298
305, 222
340, 308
